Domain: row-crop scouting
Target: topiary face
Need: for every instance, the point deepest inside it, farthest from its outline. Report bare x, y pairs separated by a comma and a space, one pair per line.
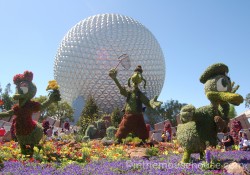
25, 91
218, 86
136, 79
219, 83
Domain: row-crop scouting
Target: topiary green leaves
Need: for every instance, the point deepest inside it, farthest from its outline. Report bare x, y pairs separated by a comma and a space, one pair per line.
214, 70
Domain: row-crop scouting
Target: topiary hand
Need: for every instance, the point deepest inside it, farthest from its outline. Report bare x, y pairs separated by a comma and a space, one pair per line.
234, 89
55, 96
113, 73
154, 103
187, 113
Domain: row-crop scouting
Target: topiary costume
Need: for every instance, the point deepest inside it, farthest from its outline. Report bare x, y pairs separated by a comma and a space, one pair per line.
133, 121
200, 126
27, 131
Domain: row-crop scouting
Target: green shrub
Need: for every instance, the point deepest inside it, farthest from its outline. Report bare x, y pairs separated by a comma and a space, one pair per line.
116, 117
153, 151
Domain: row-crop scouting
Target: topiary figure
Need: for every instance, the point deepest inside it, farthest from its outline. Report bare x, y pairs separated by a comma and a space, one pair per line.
27, 131
110, 132
133, 120
200, 126
100, 124
91, 131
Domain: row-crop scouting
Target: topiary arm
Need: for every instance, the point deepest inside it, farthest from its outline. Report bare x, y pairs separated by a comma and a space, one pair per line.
113, 74
53, 97
153, 103
6, 114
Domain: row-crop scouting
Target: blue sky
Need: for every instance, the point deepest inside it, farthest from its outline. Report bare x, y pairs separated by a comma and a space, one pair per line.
192, 34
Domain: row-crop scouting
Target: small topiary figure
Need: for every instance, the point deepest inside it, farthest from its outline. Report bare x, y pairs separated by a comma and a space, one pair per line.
110, 132
133, 121
91, 131
200, 126
27, 131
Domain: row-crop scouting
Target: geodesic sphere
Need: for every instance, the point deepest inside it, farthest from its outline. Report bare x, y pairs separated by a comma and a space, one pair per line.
92, 47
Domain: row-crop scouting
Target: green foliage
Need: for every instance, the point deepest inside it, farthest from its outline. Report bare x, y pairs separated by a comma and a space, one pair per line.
154, 116
232, 112
213, 70
130, 139
116, 117
100, 124
86, 139
187, 113
59, 111
6, 98
110, 132
89, 114
247, 101
170, 110
188, 137
152, 151
78, 138
90, 131
215, 164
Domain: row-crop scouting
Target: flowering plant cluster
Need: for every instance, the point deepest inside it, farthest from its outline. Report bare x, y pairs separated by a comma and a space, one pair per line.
52, 85
26, 76
70, 157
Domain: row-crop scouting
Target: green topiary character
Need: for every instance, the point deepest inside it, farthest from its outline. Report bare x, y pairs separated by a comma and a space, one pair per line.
91, 131
200, 126
100, 124
133, 120
28, 132
110, 132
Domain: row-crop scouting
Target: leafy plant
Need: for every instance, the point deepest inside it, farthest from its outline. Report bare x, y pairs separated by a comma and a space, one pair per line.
152, 151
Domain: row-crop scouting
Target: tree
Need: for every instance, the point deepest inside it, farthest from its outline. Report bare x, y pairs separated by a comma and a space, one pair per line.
152, 116
89, 113
116, 117
58, 111
170, 110
232, 112
6, 98
247, 101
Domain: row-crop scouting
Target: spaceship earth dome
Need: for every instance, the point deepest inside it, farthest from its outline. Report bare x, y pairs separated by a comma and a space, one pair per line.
92, 47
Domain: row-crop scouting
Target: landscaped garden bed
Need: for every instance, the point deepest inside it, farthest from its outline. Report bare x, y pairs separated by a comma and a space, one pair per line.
69, 157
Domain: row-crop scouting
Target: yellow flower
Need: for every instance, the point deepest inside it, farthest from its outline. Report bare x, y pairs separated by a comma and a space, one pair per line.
53, 158
166, 153
52, 85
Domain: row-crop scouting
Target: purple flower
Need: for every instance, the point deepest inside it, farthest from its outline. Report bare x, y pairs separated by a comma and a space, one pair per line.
208, 156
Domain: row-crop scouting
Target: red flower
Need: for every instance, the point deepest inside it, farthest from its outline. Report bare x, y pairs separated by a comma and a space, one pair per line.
1, 102
27, 75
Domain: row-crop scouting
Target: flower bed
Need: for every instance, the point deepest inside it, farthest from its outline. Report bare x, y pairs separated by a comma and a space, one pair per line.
59, 157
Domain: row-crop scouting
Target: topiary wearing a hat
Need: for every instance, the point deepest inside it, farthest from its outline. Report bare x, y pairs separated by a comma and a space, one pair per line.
133, 121
200, 126
27, 131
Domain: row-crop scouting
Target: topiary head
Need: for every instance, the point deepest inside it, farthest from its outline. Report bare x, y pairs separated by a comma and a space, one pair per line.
25, 89
137, 77
218, 86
